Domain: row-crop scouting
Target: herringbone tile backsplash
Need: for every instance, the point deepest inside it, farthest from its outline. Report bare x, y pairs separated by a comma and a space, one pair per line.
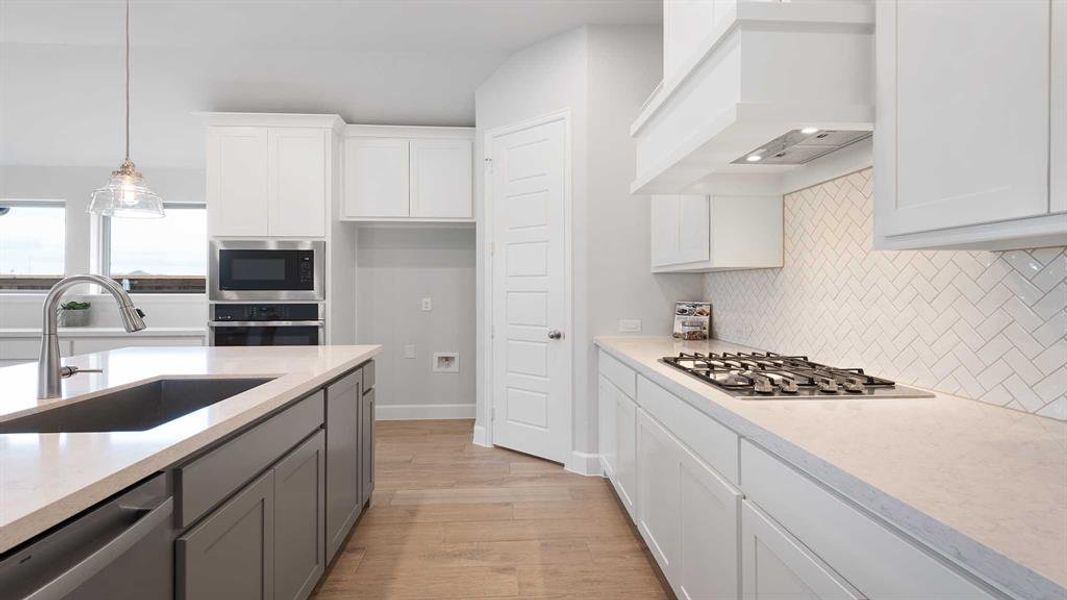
984, 325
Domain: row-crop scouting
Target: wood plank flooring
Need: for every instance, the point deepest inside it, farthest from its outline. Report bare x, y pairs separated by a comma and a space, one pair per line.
449, 519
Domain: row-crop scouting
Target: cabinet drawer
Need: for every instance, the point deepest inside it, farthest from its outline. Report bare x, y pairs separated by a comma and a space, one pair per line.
707, 438
622, 376
368, 376
206, 481
865, 552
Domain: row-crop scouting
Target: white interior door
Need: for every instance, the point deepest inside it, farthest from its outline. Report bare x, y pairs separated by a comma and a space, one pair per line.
531, 377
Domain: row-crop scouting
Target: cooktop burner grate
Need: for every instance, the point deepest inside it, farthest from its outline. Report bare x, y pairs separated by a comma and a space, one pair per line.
769, 375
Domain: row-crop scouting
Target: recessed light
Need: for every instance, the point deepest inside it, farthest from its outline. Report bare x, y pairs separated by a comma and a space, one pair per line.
753, 158
809, 130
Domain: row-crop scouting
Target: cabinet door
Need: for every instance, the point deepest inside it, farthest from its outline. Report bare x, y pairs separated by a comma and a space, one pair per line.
776, 565
694, 229
299, 489
231, 553
709, 511
376, 177
237, 168
626, 450
342, 464
658, 498
606, 426
966, 152
367, 446
1058, 147
664, 221
298, 172
441, 179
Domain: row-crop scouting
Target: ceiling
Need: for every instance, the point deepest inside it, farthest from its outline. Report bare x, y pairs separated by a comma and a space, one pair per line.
413, 62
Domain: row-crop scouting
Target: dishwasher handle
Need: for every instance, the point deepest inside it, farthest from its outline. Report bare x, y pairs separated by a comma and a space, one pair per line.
84, 570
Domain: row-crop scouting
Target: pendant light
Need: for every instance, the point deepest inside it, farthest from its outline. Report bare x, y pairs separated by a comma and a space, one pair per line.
126, 194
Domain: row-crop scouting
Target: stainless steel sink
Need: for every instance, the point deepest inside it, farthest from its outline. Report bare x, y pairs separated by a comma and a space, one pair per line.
137, 408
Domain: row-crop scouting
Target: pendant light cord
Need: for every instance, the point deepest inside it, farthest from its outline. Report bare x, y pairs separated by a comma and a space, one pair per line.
127, 55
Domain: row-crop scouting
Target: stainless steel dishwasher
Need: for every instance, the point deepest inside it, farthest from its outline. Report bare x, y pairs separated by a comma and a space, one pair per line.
120, 550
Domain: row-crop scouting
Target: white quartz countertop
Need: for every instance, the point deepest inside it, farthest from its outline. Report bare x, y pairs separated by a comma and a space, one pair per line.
46, 478
985, 486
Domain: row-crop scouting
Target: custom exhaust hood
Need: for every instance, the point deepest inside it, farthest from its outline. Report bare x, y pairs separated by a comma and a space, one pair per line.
775, 86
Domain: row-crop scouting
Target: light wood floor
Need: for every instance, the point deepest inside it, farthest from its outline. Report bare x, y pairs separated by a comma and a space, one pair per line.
449, 519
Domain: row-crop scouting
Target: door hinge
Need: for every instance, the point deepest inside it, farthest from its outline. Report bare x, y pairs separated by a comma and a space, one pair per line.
488, 164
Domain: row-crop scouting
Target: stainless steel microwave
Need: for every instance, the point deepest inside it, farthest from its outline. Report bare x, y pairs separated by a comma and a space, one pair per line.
279, 270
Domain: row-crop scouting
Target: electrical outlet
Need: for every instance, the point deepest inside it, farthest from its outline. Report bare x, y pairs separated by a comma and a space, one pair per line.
427, 304
629, 325
409, 351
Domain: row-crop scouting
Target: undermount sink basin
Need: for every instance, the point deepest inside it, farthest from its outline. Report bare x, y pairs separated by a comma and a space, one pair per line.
136, 408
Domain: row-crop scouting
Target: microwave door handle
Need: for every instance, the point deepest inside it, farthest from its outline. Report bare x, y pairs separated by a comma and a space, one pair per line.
83, 571
265, 323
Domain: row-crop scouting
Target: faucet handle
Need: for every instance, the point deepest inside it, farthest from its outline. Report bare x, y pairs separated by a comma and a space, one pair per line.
65, 372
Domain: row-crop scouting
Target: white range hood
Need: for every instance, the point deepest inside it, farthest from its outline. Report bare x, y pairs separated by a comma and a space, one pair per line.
775, 85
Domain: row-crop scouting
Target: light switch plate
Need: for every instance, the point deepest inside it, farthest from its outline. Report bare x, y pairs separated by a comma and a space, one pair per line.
629, 325
427, 304
409, 351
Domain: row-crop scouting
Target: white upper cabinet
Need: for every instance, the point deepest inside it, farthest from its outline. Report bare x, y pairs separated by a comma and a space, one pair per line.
441, 178
237, 168
964, 126
376, 177
269, 175
299, 170
696, 233
408, 173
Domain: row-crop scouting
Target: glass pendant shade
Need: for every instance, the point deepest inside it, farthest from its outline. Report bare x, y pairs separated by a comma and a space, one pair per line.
126, 195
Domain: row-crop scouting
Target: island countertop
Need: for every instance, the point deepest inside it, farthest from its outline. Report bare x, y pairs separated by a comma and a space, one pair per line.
47, 478
984, 485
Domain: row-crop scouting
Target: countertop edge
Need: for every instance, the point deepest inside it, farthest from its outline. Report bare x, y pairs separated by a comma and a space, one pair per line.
953, 545
33, 523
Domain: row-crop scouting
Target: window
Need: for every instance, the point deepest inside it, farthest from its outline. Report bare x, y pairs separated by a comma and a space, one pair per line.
159, 255
32, 243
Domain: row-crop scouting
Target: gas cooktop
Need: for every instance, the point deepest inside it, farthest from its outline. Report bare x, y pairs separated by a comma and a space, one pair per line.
765, 375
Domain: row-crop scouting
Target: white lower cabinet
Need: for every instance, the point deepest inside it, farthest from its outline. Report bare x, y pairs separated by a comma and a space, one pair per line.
687, 514
870, 555
725, 519
776, 566
618, 431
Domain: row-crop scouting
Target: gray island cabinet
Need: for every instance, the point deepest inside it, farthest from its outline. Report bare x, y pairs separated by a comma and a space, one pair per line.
264, 512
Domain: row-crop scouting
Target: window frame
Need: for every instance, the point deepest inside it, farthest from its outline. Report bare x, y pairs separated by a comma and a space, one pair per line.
100, 254
46, 203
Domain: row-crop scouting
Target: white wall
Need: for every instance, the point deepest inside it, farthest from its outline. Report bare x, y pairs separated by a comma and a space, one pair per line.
601, 75
397, 268
73, 185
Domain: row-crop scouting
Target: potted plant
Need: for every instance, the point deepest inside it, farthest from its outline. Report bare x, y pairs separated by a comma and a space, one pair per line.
74, 314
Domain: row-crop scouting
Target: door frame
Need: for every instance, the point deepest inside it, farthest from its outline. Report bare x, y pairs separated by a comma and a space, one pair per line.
568, 274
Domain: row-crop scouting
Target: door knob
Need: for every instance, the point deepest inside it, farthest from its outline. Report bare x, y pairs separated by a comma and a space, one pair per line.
555, 334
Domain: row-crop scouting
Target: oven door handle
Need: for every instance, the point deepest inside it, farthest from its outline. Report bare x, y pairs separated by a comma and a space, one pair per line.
265, 323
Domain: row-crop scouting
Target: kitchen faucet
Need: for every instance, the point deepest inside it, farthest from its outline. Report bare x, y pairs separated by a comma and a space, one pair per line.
50, 369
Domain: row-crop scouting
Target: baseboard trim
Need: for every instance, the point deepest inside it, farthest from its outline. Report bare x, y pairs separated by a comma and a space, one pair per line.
583, 463
481, 436
403, 412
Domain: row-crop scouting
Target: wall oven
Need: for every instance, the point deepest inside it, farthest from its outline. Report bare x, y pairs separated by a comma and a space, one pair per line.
266, 325
270, 270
